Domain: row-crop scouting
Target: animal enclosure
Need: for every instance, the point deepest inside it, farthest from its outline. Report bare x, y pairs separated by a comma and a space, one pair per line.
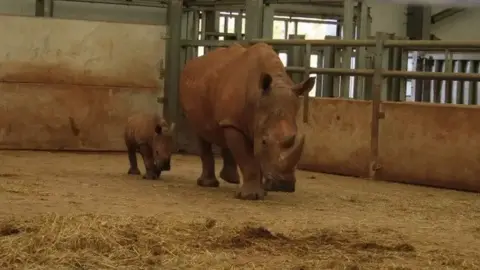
72, 84
75, 211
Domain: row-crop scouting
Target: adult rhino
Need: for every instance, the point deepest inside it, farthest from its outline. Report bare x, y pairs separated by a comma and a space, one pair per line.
242, 100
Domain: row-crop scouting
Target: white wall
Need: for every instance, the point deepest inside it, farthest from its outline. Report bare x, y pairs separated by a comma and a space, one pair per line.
90, 11
461, 26
388, 17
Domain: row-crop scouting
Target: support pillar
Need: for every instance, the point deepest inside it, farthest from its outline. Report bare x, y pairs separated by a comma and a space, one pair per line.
253, 22
268, 15
419, 22
172, 70
39, 8
348, 34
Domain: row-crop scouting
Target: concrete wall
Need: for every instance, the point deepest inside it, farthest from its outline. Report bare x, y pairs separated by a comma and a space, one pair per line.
461, 26
427, 144
388, 17
68, 84
90, 11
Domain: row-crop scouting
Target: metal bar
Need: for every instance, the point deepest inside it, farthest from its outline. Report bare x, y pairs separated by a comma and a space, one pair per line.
348, 34
396, 65
238, 25
437, 84
336, 79
391, 73
296, 58
40, 8
320, 64
316, 44
403, 81
376, 101
448, 84
173, 61
427, 83
253, 11
473, 85
328, 62
411, 44
124, 3
462, 68
419, 83
439, 16
305, 10
233, 8
306, 64
361, 51
50, 8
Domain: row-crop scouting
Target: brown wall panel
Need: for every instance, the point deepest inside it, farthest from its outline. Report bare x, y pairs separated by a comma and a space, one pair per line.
431, 144
39, 116
337, 136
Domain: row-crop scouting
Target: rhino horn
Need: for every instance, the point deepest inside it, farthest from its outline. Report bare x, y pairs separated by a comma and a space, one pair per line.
171, 129
290, 157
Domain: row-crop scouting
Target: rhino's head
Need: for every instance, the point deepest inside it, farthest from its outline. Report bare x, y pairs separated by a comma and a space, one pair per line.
277, 143
162, 147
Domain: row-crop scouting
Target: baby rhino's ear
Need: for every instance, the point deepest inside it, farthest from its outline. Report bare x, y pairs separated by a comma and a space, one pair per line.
158, 129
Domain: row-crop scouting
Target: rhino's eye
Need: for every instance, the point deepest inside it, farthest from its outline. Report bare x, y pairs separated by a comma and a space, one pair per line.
264, 142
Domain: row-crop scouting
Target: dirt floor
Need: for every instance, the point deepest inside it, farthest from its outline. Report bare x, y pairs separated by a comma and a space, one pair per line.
81, 211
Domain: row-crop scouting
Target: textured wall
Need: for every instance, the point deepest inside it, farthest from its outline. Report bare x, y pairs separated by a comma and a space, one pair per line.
427, 144
68, 84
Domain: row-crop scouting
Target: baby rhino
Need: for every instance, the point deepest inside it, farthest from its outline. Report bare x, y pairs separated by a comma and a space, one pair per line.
149, 135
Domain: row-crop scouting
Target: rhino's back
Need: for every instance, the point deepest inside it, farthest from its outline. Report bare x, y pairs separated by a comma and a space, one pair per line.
197, 89
140, 127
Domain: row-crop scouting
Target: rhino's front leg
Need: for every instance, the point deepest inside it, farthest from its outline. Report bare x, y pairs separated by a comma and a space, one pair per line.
147, 155
242, 151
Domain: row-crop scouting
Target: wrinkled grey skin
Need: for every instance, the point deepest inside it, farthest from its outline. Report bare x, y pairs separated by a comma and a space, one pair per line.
147, 135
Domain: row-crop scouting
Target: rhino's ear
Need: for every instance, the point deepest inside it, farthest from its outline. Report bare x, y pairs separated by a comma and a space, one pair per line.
265, 83
158, 129
304, 87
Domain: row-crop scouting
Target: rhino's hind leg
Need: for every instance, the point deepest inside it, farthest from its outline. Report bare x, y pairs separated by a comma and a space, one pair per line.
229, 172
207, 179
242, 151
132, 159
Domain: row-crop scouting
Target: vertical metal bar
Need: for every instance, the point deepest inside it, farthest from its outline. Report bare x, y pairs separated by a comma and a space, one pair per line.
286, 29
194, 34
320, 64
388, 63
473, 85
337, 79
427, 84
296, 58
395, 83
254, 11
204, 25
348, 34
362, 52
225, 24
376, 101
437, 84
448, 83
50, 8
173, 60
40, 8
418, 82
462, 68
306, 64
403, 81
328, 62
238, 25
268, 16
